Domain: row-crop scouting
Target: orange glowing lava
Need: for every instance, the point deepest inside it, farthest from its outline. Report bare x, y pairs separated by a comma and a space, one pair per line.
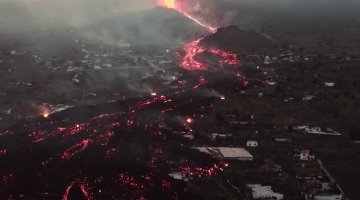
192, 50
169, 3
186, 9
44, 111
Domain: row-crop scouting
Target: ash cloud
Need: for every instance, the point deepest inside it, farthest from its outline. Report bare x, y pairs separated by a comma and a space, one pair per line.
66, 12
137, 21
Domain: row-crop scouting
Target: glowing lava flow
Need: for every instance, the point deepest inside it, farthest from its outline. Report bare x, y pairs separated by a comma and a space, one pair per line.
69, 153
84, 187
189, 61
193, 49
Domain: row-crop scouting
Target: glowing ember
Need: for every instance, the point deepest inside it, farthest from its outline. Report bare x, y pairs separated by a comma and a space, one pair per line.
189, 120
44, 111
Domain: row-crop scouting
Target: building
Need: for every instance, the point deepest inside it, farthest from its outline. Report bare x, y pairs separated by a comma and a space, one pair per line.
181, 176
227, 153
320, 189
308, 170
252, 143
305, 154
264, 192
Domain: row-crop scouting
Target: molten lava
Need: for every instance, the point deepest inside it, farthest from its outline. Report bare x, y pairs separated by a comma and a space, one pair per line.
189, 61
193, 50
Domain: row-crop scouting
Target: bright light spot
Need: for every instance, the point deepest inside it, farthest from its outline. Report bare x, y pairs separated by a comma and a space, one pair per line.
153, 94
170, 3
44, 111
222, 97
189, 120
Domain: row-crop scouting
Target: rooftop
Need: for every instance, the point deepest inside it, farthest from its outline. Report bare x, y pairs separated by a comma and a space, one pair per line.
226, 152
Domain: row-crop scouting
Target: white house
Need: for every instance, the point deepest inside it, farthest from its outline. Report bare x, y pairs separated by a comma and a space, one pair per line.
329, 84
252, 143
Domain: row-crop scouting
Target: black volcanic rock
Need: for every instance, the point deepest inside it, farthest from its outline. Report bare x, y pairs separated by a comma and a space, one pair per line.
239, 41
156, 25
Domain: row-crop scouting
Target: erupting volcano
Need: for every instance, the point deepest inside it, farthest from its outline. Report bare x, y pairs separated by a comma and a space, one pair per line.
126, 149
193, 50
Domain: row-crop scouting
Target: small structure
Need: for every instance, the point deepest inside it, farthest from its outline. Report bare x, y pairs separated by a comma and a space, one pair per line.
305, 154
308, 97
283, 140
264, 192
329, 84
227, 153
252, 143
317, 130
215, 136
267, 60
314, 181
316, 189
180, 176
